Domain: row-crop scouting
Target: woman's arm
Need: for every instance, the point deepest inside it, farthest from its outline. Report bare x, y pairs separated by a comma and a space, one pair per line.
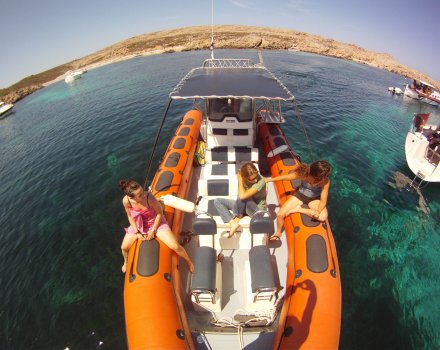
130, 218
152, 201
287, 177
324, 197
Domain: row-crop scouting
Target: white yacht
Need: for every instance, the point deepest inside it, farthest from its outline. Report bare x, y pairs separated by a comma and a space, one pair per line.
422, 148
5, 107
423, 91
71, 76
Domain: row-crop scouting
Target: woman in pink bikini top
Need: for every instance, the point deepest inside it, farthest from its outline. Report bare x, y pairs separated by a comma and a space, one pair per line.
146, 220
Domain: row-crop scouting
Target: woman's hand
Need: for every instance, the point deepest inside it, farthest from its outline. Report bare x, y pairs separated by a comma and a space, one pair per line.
150, 235
140, 236
315, 213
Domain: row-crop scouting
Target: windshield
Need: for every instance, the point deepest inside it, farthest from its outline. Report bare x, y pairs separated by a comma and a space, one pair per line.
220, 108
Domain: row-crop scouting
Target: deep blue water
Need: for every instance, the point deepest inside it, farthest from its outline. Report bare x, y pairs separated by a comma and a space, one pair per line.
64, 149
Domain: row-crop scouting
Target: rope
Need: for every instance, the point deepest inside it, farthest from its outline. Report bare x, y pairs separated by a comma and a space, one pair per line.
155, 143
301, 121
240, 336
263, 315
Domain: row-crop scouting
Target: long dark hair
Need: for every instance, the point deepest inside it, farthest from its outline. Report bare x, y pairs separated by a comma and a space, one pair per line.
129, 186
248, 169
319, 170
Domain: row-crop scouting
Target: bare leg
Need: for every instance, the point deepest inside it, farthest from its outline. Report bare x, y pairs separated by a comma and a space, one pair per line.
322, 215
168, 238
127, 242
291, 204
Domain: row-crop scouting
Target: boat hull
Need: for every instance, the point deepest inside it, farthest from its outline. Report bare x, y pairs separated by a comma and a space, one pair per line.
151, 305
432, 98
410, 92
311, 312
5, 108
416, 147
73, 76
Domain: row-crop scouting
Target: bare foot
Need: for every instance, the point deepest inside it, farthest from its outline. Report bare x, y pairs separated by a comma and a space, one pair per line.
275, 237
124, 267
234, 227
191, 267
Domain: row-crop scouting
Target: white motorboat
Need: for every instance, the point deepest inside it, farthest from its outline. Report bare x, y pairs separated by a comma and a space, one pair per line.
422, 148
5, 107
71, 76
423, 91
395, 90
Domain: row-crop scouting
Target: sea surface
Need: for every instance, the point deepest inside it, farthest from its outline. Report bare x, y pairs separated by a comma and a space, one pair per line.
65, 147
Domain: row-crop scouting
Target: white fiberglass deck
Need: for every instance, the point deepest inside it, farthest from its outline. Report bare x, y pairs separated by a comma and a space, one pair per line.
219, 329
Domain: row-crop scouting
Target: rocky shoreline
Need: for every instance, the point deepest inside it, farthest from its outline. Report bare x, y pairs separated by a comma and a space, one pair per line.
225, 37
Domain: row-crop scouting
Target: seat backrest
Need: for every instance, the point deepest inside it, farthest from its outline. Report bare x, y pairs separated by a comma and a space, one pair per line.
218, 187
261, 224
204, 226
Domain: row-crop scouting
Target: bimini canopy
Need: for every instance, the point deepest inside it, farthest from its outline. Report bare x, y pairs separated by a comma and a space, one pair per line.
239, 82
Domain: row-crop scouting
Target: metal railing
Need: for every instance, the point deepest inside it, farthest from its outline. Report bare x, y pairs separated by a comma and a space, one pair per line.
432, 156
229, 63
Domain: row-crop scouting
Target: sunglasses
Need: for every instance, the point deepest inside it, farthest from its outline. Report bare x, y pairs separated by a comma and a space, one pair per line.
253, 178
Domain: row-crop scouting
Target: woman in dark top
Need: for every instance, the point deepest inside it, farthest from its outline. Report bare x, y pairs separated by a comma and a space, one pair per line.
313, 191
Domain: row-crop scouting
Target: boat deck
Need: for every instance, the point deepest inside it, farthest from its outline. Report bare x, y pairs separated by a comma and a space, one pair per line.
235, 277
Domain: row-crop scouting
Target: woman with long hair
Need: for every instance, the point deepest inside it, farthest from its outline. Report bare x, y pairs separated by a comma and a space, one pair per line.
251, 197
313, 191
147, 221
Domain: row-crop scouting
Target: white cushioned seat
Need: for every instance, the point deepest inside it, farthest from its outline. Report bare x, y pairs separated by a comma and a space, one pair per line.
231, 154
230, 131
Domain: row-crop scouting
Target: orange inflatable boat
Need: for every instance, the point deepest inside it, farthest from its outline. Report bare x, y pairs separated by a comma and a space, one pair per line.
151, 311
246, 292
312, 306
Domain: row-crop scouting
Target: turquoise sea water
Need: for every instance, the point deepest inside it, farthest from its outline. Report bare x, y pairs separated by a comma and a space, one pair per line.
64, 149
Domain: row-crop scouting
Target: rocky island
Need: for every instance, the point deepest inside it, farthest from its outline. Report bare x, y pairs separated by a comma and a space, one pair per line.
225, 37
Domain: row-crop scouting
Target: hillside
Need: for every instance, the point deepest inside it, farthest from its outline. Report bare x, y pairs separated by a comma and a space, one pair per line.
198, 38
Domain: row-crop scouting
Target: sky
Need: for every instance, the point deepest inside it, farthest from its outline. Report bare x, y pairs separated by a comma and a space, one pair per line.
39, 35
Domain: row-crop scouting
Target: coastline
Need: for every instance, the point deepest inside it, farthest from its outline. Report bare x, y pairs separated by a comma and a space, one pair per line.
226, 37
104, 63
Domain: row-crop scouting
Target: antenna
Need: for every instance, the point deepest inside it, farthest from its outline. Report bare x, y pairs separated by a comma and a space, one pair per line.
211, 47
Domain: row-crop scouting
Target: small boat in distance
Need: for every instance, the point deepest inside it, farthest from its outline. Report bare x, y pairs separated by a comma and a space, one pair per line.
395, 90
423, 91
422, 149
71, 76
4, 108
